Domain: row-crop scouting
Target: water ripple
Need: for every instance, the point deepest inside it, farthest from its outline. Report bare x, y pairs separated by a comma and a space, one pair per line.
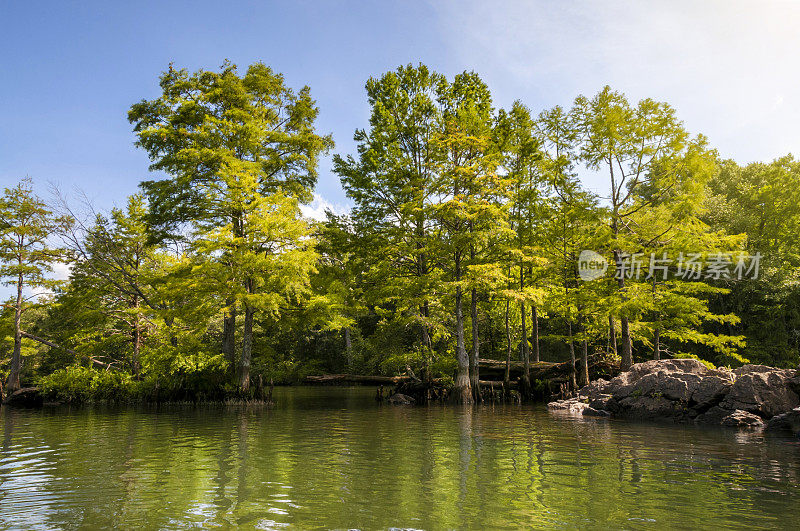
313, 463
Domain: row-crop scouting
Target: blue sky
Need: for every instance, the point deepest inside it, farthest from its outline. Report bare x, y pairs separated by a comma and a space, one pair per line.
69, 71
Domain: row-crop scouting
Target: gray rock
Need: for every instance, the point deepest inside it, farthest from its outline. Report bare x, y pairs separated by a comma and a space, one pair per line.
650, 408
751, 369
592, 412
710, 392
744, 420
672, 386
600, 402
794, 383
685, 389
594, 389
713, 416
788, 422
613, 406
687, 366
570, 405
764, 393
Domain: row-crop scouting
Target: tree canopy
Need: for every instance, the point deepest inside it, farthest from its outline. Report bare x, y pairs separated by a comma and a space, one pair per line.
467, 239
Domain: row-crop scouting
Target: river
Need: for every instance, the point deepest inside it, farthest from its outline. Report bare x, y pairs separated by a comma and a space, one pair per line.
329, 457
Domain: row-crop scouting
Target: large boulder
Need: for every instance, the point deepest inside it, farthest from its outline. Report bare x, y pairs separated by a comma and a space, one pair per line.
686, 389
650, 408
765, 392
788, 422
674, 377
570, 405
794, 382
709, 392
599, 402
713, 416
594, 389
752, 369
743, 420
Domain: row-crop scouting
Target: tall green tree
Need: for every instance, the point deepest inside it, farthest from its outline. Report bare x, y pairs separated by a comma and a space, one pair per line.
112, 281
339, 280
27, 255
234, 147
467, 210
642, 146
521, 150
392, 187
271, 249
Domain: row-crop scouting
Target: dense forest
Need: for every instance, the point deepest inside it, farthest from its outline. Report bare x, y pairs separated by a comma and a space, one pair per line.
467, 227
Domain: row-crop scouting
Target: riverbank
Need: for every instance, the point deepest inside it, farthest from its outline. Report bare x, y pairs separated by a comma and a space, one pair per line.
753, 397
547, 380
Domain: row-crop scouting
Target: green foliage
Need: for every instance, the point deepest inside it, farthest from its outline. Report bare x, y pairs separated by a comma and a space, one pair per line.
466, 225
760, 201
242, 154
80, 384
27, 226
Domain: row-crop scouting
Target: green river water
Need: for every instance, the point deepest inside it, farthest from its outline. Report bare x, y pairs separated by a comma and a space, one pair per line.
333, 458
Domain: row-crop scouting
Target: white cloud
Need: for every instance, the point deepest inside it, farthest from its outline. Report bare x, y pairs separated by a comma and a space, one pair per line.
60, 271
728, 67
316, 210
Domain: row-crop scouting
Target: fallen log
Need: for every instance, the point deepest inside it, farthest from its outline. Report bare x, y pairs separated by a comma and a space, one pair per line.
599, 367
25, 397
334, 379
498, 384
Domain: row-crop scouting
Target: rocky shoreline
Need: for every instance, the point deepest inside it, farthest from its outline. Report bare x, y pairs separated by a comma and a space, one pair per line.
754, 397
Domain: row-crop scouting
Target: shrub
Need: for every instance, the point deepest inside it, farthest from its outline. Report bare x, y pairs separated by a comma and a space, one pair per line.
79, 383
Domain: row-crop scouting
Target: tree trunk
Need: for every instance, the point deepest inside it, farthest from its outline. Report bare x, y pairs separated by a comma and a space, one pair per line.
247, 350
507, 378
16, 358
526, 362
573, 384
612, 334
492, 342
584, 357
462, 376
425, 339
535, 327
137, 336
348, 347
627, 350
173, 339
657, 344
229, 333
474, 376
